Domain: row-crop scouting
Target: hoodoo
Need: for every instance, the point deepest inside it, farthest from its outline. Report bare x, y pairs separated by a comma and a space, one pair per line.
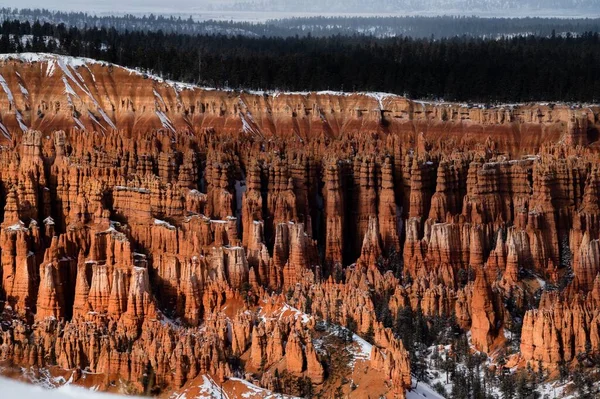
161, 236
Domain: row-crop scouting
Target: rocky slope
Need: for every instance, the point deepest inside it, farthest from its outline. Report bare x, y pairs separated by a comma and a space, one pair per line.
156, 236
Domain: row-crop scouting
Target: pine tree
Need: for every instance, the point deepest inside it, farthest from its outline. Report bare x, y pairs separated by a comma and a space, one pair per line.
507, 386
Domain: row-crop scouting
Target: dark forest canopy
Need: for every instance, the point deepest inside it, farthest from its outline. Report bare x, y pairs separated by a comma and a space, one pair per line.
377, 26
512, 69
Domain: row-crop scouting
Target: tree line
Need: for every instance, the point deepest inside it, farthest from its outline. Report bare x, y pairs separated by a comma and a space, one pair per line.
376, 26
555, 68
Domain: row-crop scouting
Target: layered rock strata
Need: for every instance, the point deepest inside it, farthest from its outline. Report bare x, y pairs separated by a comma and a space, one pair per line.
136, 213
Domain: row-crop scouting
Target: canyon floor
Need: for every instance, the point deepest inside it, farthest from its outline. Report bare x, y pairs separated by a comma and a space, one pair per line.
162, 239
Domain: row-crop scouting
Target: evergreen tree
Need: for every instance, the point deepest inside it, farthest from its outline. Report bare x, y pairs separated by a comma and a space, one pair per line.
405, 330
507, 386
459, 68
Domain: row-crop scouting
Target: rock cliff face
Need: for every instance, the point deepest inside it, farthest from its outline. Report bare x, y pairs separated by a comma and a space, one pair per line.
138, 213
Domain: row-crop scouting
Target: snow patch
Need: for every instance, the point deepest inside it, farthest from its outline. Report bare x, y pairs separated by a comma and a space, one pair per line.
16, 389
297, 313
6, 89
166, 122
158, 222
5, 132
79, 124
364, 349
380, 97
23, 90
20, 121
254, 391
247, 124
106, 118
208, 390
68, 88
134, 189
17, 227
360, 348
541, 282
421, 391
157, 95
50, 68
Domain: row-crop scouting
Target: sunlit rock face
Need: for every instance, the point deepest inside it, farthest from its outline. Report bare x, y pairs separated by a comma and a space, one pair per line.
159, 233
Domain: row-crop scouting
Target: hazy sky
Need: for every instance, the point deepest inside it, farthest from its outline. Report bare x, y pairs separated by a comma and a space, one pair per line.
199, 7
117, 6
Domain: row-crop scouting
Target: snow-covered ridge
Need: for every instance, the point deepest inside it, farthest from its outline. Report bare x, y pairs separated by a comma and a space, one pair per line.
76, 62
64, 61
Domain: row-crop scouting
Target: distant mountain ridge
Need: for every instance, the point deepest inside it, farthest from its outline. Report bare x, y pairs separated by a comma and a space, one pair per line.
246, 10
317, 25
428, 6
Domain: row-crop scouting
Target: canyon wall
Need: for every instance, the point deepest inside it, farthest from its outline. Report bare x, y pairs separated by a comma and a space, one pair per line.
151, 228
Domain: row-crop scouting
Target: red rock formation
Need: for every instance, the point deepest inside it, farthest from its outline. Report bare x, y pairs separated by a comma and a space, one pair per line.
371, 247
236, 266
117, 302
139, 301
388, 210
99, 292
422, 186
511, 273
484, 319
389, 357
155, 106
561, 329
251, 205
175, 210
295, 360
497, 260
334, 245
48, 304
450, 189
587, 262
275, 347
314, 368
81, 303
258, 354
281, 200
